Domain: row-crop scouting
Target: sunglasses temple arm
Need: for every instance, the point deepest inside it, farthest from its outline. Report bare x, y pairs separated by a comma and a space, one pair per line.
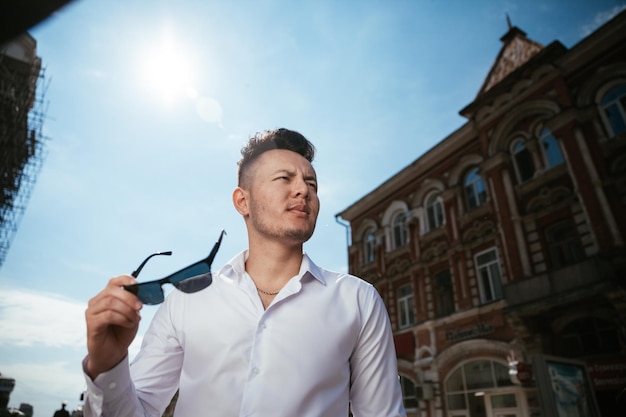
215, 248
138, 270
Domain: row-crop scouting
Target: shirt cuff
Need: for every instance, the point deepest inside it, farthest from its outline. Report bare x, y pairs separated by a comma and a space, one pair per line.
107, 387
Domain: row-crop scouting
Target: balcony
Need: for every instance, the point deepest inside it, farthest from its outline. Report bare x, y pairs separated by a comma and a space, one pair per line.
569, 283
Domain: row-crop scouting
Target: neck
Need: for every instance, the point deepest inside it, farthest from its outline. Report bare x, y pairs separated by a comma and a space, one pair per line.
272, 265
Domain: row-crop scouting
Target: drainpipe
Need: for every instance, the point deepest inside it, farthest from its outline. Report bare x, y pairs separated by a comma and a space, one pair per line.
348, 240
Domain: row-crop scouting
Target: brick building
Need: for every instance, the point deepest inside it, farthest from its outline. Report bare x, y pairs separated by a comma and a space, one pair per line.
500, 252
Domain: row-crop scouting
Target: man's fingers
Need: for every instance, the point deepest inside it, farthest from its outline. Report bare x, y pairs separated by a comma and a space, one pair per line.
113, 291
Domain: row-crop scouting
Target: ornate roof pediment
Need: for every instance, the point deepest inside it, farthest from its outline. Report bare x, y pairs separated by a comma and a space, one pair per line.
516, 51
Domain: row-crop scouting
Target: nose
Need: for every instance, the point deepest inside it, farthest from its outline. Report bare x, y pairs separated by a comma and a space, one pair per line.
301, 188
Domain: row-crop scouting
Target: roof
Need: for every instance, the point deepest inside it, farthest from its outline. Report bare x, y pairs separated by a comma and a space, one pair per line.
516, 51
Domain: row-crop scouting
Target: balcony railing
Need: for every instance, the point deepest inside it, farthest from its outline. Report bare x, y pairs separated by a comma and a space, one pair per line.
588, 274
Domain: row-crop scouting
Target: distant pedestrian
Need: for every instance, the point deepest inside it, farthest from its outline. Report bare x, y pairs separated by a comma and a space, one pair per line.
62, 412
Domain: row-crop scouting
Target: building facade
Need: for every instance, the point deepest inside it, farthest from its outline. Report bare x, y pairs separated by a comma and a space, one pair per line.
500, 252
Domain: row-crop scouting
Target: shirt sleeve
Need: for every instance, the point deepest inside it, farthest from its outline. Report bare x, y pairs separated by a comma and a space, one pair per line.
145, 387
111, 393
375, 385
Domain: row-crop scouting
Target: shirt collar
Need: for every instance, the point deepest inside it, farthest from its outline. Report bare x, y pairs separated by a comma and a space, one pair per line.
235, 268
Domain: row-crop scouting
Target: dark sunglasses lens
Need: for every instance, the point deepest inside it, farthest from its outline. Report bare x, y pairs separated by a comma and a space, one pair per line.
194, 284
198, 268
150, 293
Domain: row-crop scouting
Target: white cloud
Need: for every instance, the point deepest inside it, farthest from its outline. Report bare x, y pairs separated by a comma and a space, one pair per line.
42, 344
601, 18
35, 318
44, 386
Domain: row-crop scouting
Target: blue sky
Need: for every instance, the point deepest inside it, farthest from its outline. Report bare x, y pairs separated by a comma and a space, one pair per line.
141, 160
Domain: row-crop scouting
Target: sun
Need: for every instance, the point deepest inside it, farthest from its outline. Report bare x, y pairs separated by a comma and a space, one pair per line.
167, 70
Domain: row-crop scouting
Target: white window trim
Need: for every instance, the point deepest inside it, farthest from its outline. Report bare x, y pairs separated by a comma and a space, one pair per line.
518, 174
542, 136
491, 279
405, 230
601, 107
473, 185
405, 322
438, 201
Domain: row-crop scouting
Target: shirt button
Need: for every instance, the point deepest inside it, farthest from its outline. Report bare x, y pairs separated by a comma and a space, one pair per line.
112, 385
255, 371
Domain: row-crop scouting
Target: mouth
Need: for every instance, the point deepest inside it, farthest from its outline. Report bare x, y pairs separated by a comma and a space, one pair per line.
301, 208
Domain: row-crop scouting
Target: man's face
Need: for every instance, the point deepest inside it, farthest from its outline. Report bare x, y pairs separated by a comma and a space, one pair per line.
283, 201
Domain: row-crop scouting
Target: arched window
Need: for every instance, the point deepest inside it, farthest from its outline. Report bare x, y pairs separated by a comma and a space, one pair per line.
551, 150
409, 395
369, 241
400, 231
523, 160
613, 105
434, 212
465, 387
475, 192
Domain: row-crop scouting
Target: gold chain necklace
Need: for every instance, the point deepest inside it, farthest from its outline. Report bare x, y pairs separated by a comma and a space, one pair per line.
265, 292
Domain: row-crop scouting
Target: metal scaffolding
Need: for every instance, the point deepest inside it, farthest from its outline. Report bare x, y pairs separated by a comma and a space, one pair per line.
22, 144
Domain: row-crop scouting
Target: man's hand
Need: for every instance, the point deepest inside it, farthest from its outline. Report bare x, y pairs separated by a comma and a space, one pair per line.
112, 321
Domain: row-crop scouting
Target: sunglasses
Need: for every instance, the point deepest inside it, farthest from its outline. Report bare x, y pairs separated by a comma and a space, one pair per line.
190, 279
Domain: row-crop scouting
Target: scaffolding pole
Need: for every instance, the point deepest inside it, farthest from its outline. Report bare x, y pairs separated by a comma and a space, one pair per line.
22, 143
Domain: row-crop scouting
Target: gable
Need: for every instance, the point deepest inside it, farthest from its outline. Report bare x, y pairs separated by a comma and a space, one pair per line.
516, 51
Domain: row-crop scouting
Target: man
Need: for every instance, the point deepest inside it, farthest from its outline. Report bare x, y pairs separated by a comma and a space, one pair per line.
62, 412
274, 335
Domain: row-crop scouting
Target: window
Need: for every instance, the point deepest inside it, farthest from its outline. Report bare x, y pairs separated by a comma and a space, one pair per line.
523, 160
564, 247
588, 336
400, 232
464, 386
434, 212
444, 293
613, 104
406, 301
368, 246
409, 396
551, 151
475, 192
489, 278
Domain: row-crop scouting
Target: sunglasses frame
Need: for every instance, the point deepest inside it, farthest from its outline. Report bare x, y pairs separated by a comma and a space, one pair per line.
188, 284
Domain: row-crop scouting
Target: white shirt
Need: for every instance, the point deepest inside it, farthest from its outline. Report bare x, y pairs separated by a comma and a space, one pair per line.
323, 343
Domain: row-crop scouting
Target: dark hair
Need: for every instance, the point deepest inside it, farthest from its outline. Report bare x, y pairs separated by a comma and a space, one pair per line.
268, 140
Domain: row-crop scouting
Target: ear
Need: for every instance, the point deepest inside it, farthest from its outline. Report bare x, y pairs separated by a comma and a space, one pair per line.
240, 201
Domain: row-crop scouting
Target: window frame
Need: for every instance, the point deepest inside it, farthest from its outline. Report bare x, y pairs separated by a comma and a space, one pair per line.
546, 137
496, 287
480, 197
399, 230
435, 218
619, 103
369, 246
406, 306
466, 378
570, 247
408, 398
516, 154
